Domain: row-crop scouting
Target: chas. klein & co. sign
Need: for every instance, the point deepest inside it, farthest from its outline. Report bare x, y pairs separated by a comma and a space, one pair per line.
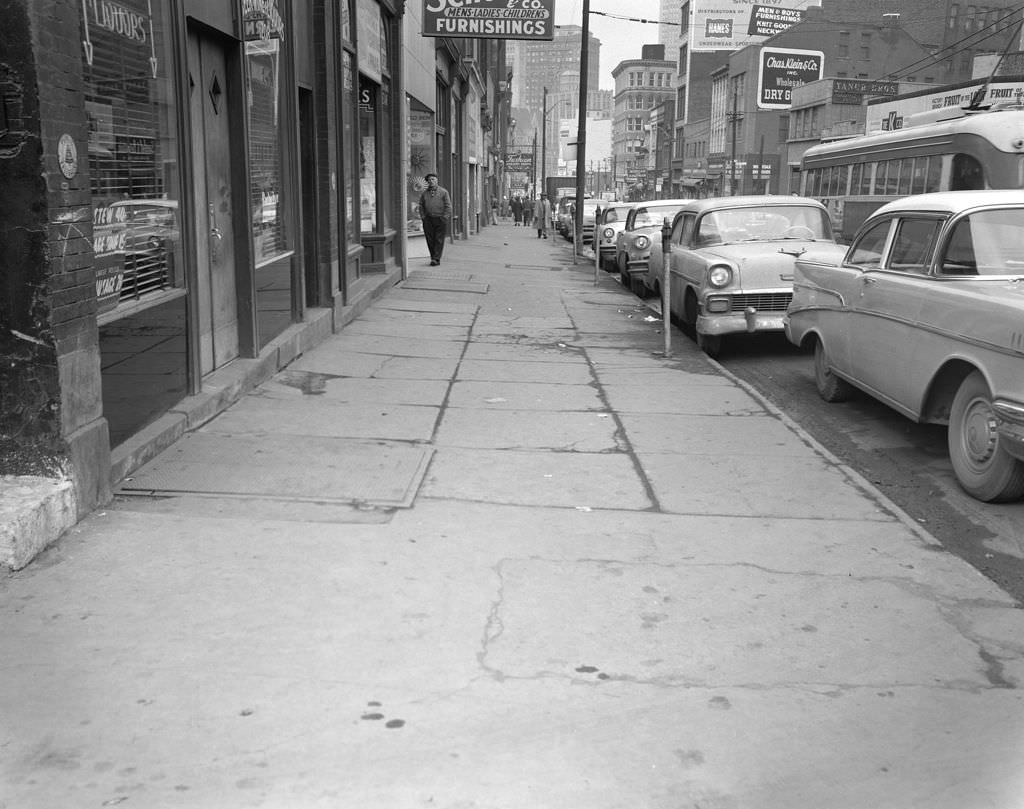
781, 70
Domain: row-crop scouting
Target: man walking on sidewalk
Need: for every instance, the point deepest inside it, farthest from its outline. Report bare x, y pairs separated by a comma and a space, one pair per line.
542, 215
435, 211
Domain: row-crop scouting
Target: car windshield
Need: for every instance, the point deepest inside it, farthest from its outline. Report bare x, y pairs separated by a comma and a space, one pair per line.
611, 215
653, 215
986, 243
767, 223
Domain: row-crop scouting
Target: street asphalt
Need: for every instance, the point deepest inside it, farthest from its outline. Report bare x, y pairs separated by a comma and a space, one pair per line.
489, 548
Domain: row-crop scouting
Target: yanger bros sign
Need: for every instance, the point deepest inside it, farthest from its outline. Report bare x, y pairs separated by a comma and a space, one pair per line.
489, 19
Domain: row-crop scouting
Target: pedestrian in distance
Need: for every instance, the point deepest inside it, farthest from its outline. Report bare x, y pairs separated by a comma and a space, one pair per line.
436, 212
517, 211
494, 211
542, 215
527, 212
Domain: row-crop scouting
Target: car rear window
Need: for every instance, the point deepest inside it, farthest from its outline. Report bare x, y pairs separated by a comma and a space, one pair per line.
986, 243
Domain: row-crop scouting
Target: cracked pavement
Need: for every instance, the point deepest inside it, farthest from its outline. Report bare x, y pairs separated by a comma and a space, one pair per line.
619, 581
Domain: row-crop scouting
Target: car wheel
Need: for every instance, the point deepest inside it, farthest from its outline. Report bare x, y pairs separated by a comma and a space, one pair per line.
637, 286
830, 387
984, 469
710, 344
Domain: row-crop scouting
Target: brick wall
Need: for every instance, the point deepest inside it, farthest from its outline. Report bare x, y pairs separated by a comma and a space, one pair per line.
29, 387
51, 400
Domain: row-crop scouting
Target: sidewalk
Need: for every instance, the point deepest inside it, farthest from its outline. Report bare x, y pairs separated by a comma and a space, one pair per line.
486, 548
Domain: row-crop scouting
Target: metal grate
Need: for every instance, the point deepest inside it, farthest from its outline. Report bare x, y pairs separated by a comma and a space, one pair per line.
762, 302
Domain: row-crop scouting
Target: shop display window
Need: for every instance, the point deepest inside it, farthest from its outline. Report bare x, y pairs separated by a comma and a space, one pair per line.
349, 175
266, 186
368, 101
133, 166
135, 185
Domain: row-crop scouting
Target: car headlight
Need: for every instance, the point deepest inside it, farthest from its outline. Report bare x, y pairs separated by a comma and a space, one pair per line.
608, 233
641, 243
720, 276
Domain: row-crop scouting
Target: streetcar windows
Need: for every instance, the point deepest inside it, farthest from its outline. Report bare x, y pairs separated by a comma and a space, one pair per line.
967, 174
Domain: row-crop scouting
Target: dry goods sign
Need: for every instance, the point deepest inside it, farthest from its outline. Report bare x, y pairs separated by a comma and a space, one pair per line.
781, 70
489, 19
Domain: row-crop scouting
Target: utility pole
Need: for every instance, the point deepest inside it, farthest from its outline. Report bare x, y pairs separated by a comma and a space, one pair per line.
536, 193
544, 147
732, 171
581, 133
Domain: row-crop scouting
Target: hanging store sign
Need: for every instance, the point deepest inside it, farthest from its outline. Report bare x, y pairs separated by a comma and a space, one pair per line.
519, 161
782, 69
490, 19
728, 25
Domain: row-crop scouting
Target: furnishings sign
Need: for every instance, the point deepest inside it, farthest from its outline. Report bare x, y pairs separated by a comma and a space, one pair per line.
490, 19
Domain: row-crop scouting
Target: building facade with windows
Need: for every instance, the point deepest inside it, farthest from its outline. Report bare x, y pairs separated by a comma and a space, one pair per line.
910, 41
640, 86
196, 192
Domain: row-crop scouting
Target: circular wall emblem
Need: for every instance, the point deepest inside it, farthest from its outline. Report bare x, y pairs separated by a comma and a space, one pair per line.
67, 156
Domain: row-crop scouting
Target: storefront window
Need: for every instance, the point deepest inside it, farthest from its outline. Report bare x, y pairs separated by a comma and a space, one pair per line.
387, 169
133, 167
268, 113
265, 96
349, 175
368, 100
421, 160
135, 183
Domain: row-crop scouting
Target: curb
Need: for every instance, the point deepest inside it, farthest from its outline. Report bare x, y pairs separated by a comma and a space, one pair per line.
34, 513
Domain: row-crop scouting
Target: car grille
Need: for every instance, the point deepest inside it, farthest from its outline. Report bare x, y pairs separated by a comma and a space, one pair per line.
763, 302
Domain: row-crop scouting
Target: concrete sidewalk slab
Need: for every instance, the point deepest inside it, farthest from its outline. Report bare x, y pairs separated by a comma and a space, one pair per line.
572, 480
315, 416
378, 473
538, 628
491, 394
583, 431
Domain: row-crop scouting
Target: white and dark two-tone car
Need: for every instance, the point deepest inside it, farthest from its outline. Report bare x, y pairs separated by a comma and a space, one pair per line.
925, 312
613, 220
731, 262
633, 243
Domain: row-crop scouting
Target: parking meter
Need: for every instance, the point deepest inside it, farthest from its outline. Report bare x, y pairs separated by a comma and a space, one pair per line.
666, 297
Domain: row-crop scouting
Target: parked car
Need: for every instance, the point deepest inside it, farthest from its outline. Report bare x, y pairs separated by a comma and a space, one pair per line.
613, 220
731, 260
633, 244
589, 214
561, 213
925, 312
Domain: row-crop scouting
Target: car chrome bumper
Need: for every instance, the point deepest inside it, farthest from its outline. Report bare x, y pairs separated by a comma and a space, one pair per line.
740, 322
1010, 426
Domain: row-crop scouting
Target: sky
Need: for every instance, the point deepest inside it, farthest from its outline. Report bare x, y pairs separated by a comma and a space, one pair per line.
620, 40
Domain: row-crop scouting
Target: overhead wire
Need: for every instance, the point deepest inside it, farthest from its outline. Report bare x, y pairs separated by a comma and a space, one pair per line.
963, 44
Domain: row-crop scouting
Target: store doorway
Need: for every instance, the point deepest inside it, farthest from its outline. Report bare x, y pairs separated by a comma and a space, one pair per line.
216, 290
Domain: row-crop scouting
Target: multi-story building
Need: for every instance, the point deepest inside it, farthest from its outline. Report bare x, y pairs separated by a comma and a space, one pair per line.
671, 26
909, 41
545, 77
640, 86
